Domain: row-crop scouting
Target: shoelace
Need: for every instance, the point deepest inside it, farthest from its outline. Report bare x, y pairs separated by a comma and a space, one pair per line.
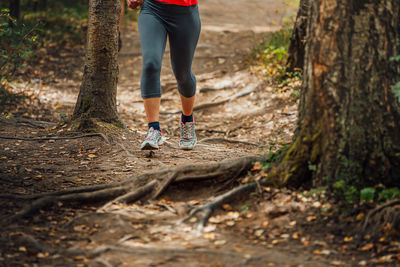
187, 133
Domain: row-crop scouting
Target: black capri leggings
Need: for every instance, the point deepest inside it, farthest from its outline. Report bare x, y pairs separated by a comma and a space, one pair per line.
182, 26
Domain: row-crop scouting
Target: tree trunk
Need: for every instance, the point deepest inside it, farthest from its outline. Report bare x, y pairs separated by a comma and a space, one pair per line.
14, 9
349, 117
97, 95
298, 40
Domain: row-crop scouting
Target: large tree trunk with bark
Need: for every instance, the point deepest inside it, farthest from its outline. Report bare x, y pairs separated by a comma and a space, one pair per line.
349, 117
97, 95
298, 40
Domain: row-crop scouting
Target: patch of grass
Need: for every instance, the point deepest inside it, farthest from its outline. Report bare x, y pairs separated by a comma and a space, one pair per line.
292, 3
270, 58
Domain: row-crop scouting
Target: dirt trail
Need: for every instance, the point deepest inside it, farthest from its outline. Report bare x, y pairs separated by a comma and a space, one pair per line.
256, 117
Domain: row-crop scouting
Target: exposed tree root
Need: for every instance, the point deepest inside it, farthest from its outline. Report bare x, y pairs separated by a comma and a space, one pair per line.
233, 141
209, 207
386, 215
247, 90
140, 187
34, 245
210, 130
56, 137
210, 89
29, 122
129, 154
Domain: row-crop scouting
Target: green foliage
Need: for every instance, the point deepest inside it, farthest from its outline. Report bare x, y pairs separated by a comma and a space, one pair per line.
61, 21
312, 167
396, 58
63, 116
396, 87
271, 55
367, 194
351, 194
274, 156
389, 194
244, 207
396, 91
17, 44
344, 191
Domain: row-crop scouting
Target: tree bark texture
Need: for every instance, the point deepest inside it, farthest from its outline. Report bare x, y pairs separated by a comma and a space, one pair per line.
97, 95
298, 40
349, 118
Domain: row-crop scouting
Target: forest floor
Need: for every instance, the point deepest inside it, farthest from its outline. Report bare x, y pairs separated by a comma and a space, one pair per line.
273, 227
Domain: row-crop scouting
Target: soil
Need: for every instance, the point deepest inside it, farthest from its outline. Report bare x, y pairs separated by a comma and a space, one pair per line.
272, 227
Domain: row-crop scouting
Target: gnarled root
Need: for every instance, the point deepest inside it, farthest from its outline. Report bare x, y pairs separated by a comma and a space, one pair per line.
146, 186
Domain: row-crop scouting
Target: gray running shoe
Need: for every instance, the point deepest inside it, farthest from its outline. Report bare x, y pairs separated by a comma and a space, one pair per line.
188, 136
153, 140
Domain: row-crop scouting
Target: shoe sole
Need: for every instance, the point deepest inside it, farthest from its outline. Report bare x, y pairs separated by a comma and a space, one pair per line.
188, 147
149, 146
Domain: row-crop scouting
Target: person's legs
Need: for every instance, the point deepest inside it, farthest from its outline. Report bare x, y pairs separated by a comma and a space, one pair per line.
153, 40
152, 108
183, 38
187, 105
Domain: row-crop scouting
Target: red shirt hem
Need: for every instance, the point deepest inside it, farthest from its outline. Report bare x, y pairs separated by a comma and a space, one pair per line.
180, 2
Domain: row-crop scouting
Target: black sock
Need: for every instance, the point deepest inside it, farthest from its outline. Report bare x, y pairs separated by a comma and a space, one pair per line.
187, 118
155, 125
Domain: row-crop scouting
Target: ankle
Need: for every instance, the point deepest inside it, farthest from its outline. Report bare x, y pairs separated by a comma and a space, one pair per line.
185, 118
155, 125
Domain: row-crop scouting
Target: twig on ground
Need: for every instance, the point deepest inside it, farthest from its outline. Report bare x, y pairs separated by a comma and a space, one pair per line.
56, 137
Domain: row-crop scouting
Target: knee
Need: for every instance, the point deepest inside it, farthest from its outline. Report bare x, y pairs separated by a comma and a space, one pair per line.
151, 67
187, 85
183, 77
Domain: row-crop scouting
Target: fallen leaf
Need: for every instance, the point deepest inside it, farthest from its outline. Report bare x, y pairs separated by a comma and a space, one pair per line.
360, 216
337, 263
386, 258
366, 247
220, 242
210, 236
259, 232
92, 156
257, 166
42, 255
230, 223
311, 218
227, 207
348, 239
362, 263
317, 252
